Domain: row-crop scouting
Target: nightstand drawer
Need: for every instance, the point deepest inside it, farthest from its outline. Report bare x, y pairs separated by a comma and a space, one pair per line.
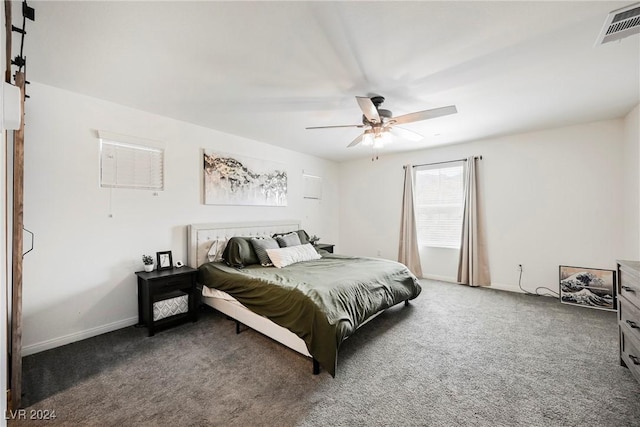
169, 284
630, 352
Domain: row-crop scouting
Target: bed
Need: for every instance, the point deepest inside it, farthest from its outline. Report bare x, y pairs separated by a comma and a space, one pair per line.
312, 306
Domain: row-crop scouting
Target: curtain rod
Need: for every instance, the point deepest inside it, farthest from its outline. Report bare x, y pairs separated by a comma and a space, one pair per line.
440, 163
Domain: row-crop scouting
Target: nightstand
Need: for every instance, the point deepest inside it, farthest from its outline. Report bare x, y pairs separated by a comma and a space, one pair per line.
162, 288
325, 246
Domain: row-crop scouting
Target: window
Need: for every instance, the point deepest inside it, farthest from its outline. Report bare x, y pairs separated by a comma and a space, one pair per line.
126, 164
439, 200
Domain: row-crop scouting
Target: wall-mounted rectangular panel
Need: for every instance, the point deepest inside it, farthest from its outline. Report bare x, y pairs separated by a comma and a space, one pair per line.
312, 187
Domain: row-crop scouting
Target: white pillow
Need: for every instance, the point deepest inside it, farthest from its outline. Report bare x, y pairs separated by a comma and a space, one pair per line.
216, 250
282, 257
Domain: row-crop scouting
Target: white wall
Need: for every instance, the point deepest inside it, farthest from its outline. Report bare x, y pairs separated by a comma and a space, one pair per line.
551, 198
79, 281
631, 185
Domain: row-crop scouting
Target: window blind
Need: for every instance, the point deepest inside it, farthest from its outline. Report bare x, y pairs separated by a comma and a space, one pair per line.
439, 199
129, 165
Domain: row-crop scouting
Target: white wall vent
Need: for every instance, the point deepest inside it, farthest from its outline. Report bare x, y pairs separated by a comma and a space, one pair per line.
620, 23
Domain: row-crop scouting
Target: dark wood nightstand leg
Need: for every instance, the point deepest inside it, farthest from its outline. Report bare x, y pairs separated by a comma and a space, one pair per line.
151, 325
193, 301
140, 320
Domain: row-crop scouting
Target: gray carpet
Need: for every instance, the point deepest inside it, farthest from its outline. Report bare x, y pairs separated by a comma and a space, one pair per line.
455, 356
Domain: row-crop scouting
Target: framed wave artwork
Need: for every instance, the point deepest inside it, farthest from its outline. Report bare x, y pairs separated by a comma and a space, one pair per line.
239, 180
588, 287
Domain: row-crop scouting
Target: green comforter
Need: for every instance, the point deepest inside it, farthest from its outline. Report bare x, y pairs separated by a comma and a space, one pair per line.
322, 301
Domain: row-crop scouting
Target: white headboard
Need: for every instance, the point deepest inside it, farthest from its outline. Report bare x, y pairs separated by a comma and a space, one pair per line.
200, 237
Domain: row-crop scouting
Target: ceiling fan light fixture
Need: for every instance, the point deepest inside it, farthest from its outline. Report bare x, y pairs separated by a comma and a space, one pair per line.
386, 137
382, 138
367, 138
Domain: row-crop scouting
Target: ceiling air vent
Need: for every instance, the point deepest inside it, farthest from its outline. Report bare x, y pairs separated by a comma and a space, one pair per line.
620, 23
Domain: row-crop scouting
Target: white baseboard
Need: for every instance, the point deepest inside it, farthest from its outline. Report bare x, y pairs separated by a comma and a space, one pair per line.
440, 278
496, 286
515, 288
77, 336
504, 287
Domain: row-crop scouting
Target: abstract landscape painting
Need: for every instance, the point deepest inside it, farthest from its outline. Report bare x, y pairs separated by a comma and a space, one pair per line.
237, 180
588, 287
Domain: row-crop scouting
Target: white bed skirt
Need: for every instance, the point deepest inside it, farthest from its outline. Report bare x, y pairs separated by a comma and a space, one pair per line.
228, 305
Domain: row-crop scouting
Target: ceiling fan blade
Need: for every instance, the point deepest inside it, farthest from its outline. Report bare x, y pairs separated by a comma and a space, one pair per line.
424, 115
338, 126
368, 109
356, 141
407, 134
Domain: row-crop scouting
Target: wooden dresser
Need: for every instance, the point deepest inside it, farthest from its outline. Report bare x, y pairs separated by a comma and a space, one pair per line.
629, 315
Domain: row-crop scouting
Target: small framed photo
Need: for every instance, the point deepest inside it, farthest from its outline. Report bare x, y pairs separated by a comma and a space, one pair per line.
165, 261
588, 287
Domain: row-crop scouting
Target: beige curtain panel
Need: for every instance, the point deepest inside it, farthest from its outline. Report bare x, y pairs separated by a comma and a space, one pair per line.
473, 264
408, 252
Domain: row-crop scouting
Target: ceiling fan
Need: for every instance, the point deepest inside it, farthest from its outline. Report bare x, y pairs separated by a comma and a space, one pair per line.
380, 125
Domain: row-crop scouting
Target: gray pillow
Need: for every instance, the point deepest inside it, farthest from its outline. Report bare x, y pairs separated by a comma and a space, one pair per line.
287, 240
304, 237
260, 246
